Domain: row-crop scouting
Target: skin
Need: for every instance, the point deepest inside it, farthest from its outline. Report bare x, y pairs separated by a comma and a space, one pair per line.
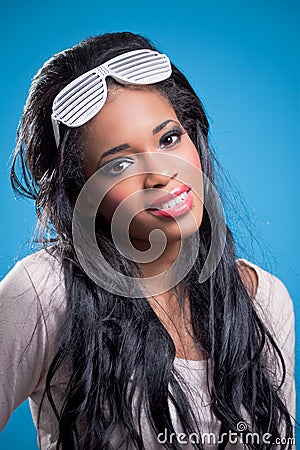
143, 119
130, 116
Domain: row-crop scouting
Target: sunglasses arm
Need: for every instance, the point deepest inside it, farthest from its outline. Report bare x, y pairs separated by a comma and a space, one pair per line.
55, 125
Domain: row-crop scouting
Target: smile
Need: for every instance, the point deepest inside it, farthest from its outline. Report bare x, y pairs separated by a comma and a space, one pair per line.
175, 204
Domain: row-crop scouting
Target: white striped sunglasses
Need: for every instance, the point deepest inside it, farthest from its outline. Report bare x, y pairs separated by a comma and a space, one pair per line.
84, 97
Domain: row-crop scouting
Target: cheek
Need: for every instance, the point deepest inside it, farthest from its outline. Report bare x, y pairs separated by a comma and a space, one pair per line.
105, 209
110, 202
115, 196
194, 157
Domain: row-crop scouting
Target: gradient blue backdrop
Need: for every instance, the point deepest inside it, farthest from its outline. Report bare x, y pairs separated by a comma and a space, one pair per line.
242, 59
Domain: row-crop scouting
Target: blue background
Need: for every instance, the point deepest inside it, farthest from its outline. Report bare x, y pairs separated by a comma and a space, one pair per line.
242, 59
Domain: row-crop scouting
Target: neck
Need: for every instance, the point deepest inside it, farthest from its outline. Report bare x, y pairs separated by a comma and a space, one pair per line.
157, 274
160, 264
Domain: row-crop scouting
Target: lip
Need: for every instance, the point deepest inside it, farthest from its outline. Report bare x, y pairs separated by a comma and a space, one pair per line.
170, 196
177, 210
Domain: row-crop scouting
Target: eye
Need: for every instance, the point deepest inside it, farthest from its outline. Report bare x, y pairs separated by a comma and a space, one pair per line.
115, 167
171, 138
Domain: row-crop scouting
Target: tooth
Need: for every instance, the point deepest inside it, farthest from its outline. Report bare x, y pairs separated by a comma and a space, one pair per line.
172, 203
164, 205
178, 200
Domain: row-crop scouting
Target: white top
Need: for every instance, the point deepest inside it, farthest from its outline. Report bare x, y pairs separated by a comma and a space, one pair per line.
32, 309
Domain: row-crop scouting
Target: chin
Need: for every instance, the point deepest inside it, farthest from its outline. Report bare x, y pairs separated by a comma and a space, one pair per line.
173, 230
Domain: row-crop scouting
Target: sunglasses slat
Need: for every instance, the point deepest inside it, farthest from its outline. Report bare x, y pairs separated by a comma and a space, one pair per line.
142, 64
130, 56
83, 115
154, 76
80, 100
136, 63
148, 67
80, 96
68, 91
114, 66
69, 117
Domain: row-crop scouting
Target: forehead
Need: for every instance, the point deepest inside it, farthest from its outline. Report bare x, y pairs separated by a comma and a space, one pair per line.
129, 113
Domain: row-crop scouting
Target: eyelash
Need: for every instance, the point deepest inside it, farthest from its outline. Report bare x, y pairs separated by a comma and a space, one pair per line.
178, 132
106, 169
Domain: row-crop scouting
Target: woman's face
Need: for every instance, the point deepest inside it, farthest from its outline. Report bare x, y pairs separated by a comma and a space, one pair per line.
134, 139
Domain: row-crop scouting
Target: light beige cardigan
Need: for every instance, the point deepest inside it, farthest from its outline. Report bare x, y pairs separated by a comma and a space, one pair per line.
32, 308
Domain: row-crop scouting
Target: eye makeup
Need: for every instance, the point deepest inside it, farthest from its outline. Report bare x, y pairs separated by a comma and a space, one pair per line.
176, 132
118, 165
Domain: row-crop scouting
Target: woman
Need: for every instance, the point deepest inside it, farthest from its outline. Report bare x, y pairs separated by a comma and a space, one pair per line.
149, 337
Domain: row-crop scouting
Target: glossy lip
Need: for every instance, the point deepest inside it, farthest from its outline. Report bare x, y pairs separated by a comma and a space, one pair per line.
179, 209
158, 202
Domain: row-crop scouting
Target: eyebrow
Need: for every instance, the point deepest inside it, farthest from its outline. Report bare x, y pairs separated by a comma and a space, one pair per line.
120, 148
114, 150
161, 126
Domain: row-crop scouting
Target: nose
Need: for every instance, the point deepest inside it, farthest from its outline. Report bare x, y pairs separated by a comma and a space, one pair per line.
159, 177
154, 179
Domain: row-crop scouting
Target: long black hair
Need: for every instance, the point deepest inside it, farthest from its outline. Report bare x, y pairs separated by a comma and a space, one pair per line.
109, 382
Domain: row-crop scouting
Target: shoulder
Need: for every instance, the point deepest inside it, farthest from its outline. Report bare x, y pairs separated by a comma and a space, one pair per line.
267, 285
41, 273
272, 300
42, 265
31, 312
274, 307
33, 292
